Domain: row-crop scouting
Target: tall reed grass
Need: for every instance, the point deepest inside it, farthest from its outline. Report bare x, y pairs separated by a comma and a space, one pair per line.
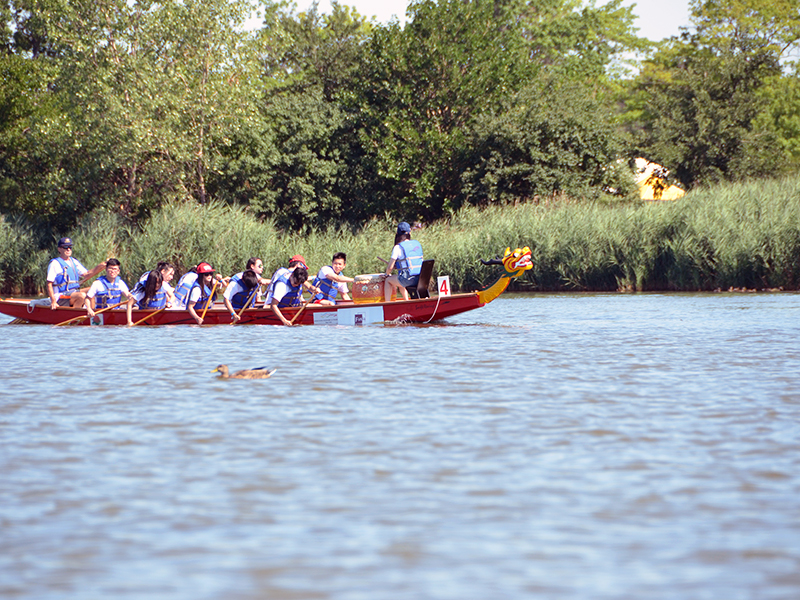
731, 236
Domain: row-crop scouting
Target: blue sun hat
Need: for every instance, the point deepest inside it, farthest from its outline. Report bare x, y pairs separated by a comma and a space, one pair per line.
403, 227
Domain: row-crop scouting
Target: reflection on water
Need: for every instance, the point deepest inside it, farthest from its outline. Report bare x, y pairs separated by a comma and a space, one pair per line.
554, 446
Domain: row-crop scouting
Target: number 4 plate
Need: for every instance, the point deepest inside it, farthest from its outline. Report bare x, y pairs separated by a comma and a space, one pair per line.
443, 283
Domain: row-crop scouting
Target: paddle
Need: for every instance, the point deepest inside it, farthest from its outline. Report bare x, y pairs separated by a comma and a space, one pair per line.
299, 312
210, 299
148, 316
247, 304
76, 319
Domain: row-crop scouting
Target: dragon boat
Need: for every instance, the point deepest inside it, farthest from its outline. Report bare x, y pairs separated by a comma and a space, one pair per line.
421, 310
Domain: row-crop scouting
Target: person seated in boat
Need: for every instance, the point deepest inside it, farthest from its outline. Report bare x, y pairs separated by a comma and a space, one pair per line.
286, 288
185, 283
294, 262
254, 264
407, 257
107, 290
152, 294
167, 271
331, 282
65, 275
241, 291
201, 294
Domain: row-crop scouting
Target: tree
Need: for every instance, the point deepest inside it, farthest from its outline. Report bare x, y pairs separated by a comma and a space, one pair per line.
146, 93
704, 93
457, 64
553, 139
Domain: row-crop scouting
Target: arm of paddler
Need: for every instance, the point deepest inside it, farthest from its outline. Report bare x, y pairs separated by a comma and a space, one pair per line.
190, 305
229, 306
129, 308
96, 271
53, 295
274, 307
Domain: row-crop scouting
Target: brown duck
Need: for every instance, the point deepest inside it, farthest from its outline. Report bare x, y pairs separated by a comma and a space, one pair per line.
259, 373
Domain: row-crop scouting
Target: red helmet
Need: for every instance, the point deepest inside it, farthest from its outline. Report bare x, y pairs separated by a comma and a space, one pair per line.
205, 268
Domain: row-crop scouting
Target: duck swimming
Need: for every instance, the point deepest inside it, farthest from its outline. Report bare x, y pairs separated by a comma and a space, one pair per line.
259, 373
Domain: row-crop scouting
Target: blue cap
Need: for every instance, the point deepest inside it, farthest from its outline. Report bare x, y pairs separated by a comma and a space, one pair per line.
65, 243
403, 227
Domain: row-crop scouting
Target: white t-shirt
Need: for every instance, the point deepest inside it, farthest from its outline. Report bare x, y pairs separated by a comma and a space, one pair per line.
397, 253
54, 269
277, 289
235, 286
195, 293
97, 286
339, 285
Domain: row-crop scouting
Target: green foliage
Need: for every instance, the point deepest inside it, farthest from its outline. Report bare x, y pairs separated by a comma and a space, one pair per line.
744, 235
20, 258
704, 102
433, 85
146, 94
554, 139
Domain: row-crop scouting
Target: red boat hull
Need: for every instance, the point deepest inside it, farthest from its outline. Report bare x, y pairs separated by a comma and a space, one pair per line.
405, 311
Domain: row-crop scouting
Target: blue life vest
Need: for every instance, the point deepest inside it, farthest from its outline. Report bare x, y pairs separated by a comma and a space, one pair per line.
68, 280
239, 298
110, 295
159, 301
328, 288
183, 288
410, 264
205, 300
292, 297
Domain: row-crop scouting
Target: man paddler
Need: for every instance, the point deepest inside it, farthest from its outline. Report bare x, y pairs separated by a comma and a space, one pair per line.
65, 275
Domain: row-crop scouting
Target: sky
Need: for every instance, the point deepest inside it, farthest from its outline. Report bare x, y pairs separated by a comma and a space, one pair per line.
657, 20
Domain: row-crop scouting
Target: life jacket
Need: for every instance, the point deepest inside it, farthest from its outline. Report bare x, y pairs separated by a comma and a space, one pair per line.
159, 301
205, 300
239, 298
110, 295
292, 297
328, 289
410, 264
185, 284
68, 280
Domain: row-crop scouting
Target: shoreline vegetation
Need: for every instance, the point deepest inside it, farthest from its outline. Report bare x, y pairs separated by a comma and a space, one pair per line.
738, 236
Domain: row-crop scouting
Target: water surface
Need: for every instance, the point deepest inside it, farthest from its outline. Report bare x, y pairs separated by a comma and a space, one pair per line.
546, 446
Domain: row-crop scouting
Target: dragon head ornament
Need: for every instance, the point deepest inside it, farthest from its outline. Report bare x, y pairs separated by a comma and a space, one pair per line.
515, 263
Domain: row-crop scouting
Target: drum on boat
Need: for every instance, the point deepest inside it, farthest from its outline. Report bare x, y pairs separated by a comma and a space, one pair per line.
368, 288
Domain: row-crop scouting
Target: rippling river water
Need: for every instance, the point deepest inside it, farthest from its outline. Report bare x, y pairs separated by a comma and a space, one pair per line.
547, 446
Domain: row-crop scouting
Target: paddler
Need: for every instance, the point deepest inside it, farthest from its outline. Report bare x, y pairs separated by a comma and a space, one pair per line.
107, 289
153, 293
331, 282
242, 290
201, 294
167, 271
65, 275
286, 288
407, 257
185, 283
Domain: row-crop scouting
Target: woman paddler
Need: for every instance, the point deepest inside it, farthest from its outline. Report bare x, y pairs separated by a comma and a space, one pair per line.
154, 293
407, 257
201, 294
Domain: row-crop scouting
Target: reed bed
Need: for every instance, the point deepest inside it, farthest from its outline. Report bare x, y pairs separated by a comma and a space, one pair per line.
743, 236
